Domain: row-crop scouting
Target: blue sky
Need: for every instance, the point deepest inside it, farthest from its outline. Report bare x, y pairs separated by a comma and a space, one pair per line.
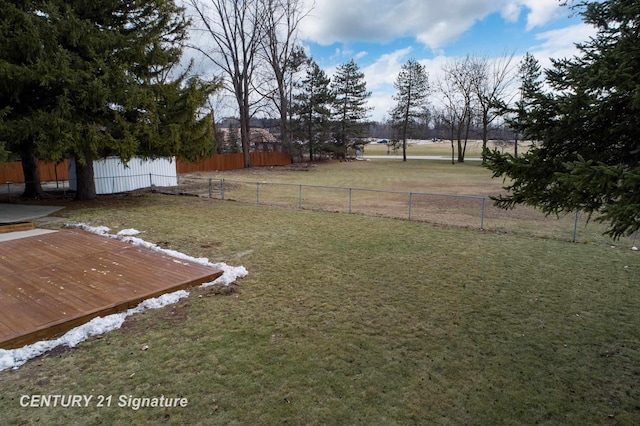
381, 35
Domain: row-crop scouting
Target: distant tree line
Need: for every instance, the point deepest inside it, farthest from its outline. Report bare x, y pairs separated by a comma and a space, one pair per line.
89, 79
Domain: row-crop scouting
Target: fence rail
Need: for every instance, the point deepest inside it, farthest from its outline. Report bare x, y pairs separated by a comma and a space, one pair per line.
445, 209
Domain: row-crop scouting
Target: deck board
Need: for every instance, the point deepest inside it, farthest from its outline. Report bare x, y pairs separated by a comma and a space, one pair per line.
51, 283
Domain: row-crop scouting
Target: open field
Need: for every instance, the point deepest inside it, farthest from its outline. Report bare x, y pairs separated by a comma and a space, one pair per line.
327, 187
350, 319
442, 148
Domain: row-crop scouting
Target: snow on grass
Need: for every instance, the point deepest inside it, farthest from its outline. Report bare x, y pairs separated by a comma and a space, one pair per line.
128, 232
14, 358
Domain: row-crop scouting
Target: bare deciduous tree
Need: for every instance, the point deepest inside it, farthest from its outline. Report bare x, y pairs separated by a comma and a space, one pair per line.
236, 28
284, 56
458, 99
491, 82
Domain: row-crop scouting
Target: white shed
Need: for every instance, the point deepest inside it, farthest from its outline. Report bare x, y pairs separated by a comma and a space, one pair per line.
112, 176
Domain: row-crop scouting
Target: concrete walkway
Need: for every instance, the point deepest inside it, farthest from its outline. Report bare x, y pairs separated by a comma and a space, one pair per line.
15, 213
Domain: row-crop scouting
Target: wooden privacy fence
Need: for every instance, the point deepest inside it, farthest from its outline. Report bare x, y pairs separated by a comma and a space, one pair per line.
12, 171
222, 162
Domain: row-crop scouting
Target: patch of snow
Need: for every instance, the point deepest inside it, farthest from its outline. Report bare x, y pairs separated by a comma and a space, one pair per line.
100, 230
229, 274
128, 232
14, 358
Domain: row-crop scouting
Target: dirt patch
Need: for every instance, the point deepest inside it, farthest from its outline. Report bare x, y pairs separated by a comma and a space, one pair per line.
176, 314
55, 352
299, 167
220, 290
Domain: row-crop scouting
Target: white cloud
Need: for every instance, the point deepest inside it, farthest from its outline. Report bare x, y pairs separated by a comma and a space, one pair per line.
360, 55
511, 12
542, 11
386, 68
561, 43
433, 23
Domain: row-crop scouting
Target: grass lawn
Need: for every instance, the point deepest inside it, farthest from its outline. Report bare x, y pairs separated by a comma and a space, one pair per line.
432, 176
417, 176
350, 319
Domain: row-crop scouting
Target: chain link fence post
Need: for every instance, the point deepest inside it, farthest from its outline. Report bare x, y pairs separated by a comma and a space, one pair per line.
575, 227
410, 203
300, 197
484, 200
257, 192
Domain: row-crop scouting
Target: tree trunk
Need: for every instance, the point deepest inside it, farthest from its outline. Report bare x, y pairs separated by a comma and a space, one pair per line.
404, 129
453, 149
33, 186
284, 118
404, 149
310, 138
404, 140
245, 133
86, 187
485, 137
462, 149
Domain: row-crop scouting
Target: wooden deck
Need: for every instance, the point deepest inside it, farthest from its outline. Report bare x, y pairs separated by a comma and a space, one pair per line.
52, 283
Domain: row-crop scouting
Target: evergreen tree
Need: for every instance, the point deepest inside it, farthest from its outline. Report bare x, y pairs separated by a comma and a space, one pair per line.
350, 106
412, 87
180, 125
28, 63
313, 107
92, 81
587, 125
529, 75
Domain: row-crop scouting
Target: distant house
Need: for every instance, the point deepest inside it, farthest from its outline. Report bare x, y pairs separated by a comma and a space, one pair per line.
260, 140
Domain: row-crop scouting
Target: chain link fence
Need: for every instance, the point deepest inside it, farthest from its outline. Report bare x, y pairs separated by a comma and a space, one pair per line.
444, 209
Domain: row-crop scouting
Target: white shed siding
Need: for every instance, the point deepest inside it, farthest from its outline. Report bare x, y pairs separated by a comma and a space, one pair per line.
112, 176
